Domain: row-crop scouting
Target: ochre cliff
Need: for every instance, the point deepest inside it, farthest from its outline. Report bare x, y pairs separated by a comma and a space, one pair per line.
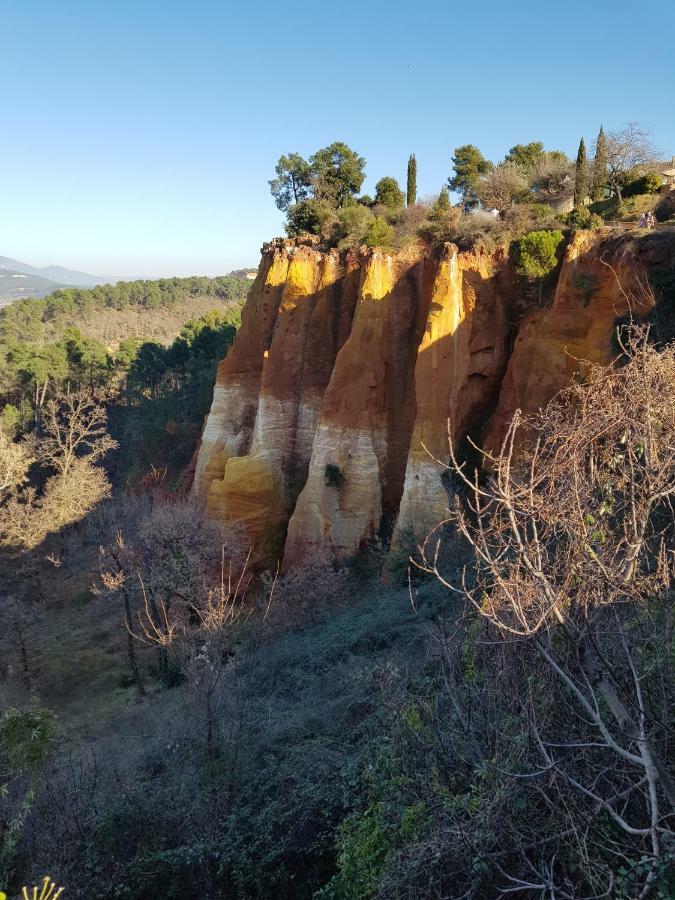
329, 424
601, 279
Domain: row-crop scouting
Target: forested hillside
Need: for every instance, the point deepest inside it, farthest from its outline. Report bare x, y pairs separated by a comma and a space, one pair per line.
147, 348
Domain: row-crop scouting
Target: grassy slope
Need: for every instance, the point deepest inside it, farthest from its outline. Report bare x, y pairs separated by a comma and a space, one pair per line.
629, 210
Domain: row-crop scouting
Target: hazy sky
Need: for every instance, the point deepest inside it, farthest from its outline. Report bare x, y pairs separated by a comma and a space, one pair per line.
138, 137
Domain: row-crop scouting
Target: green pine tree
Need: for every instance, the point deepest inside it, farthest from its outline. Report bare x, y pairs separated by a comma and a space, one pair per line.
599, 167
412, 180
581, 176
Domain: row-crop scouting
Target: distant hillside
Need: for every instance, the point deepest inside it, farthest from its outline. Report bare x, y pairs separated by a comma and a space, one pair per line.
58, 274
18, 279
15, 285
148, 310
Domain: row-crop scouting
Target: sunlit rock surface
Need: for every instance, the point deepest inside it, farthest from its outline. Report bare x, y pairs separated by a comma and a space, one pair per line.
331, 412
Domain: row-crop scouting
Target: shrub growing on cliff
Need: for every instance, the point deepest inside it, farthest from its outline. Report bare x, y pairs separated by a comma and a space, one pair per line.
582, 218
380, 234
352, 225
536, 253
309, 217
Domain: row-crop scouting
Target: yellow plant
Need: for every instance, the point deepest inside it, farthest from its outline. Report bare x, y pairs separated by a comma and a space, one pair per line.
48, 891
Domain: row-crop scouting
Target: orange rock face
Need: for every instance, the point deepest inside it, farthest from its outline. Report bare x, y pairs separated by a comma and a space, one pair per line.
258, 437
360, 449
600, 280
329, 423
460, 362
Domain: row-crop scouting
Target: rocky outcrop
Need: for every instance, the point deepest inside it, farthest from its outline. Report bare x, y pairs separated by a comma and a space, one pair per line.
460, 361
259, 433
329, 424
601, 280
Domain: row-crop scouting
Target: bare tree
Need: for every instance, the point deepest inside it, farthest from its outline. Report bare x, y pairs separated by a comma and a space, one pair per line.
75, 438
174, 573
573, 535
628, 150
74, 426
552, 178
15, 460
501, 187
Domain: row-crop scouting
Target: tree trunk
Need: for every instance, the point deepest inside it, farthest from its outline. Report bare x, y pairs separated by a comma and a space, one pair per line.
23, 651
131, 650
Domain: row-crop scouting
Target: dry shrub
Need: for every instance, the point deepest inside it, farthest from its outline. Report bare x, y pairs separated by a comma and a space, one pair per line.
305, 593
573, 537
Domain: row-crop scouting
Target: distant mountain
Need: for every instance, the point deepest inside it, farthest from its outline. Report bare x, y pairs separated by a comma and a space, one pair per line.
18, 279
15, 285
54, 273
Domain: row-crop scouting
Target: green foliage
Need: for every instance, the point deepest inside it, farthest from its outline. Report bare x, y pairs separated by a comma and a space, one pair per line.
34, 320
10, 419
380, 234
389, 194
599, 177
441, 205
645, 184
337, 174
168, 392
469, 164
525, 155
352, 225
411, 182
580, 176
536, 253
308, 217
582, 218
363, 850
293, 181
587, 284
25, 738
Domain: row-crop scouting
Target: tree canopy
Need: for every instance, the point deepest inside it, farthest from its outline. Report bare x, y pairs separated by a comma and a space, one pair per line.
337, 173
293, 182
469, 164
388, 193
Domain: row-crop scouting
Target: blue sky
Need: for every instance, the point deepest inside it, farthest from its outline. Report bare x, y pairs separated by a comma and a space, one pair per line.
138, 137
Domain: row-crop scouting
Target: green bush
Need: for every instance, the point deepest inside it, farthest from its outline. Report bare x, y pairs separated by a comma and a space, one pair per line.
380, 234
536, 253
352, 225
308, 217
389, 194
646, 184
582, 218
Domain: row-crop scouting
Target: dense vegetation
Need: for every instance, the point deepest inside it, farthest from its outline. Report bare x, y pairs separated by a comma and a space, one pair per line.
531, 189
331, 739
129, 344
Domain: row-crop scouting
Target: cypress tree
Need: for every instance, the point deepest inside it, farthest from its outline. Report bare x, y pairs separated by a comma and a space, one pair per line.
599, 167
412, 180
581, 176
